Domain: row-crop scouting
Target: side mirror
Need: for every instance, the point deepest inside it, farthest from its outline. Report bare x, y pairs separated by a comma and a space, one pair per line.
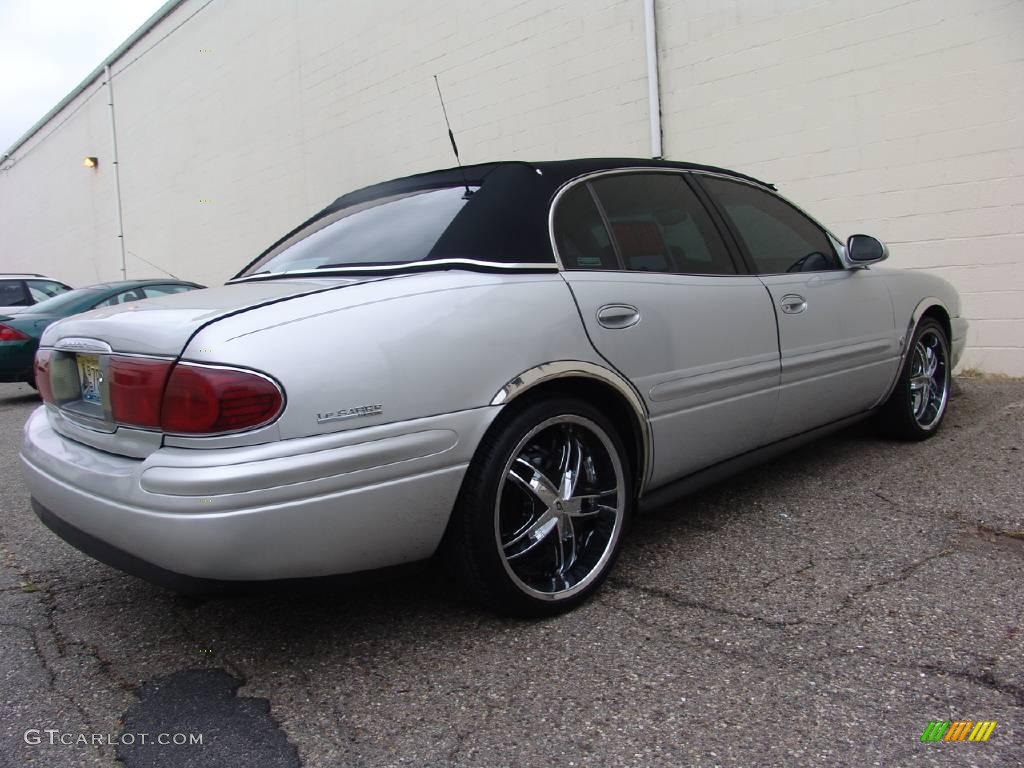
862, 250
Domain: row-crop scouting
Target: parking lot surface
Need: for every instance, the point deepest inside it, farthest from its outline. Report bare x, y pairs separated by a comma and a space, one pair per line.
819, 610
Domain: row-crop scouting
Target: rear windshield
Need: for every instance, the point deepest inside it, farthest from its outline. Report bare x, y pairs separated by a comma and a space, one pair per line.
425, 218
391, 230
67, 300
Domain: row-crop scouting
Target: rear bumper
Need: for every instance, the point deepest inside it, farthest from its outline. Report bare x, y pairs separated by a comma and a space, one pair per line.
340, 503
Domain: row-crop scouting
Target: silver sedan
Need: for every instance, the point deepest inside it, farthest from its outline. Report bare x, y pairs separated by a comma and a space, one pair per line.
497, 363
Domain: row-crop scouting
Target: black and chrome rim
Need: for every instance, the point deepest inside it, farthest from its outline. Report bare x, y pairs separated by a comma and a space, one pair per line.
560, 507
929, 379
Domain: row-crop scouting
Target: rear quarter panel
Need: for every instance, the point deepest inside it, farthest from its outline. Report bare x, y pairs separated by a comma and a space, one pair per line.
416, 345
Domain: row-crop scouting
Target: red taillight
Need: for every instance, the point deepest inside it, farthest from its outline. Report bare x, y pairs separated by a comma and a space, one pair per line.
136, 385
41, 371
11, 334
203, 400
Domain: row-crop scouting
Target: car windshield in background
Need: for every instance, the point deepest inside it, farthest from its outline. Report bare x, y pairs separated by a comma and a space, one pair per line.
67, 300
390, 230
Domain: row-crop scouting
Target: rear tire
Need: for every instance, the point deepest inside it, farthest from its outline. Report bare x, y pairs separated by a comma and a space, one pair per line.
917, 405
539, 520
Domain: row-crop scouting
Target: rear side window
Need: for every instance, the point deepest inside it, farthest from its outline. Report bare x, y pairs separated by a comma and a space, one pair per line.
657, 225
13, 294
660, 225
777, 237
580, 234
152, 291
45, 289
124, 297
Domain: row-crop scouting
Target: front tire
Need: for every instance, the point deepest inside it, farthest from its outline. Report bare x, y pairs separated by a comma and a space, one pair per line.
917, 406
539, 520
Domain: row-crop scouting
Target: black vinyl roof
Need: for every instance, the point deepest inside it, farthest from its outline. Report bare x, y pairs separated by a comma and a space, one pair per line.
506, 218
551, 174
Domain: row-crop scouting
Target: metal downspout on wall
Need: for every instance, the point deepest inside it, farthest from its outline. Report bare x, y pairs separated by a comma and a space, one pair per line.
117, 171
653, 88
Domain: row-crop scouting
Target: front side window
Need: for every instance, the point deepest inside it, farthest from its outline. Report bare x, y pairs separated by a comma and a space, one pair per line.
777, 237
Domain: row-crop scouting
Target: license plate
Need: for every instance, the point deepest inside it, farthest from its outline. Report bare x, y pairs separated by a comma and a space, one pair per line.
90, 378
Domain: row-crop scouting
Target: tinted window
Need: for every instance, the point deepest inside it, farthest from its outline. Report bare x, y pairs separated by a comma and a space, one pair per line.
659, 225
13, 294
580, 234
135, 294
392, 230
776, 235
45, 289
152, 291
69, 301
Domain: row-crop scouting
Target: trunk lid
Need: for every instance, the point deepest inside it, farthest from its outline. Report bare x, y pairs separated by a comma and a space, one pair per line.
80, 348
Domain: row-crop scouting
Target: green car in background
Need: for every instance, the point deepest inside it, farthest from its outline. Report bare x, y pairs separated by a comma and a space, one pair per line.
20, 330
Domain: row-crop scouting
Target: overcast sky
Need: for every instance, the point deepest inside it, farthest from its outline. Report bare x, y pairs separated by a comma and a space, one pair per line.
47, 47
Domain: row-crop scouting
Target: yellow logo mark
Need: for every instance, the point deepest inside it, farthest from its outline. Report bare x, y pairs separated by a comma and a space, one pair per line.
982, 730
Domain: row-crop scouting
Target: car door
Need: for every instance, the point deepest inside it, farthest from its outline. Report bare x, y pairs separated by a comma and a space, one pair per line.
837, 332
664, 303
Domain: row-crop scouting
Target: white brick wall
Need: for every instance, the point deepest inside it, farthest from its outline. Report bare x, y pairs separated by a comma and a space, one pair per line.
903, 119
299, 102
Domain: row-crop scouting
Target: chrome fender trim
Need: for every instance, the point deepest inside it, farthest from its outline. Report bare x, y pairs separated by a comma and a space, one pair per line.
561, 369
922, 306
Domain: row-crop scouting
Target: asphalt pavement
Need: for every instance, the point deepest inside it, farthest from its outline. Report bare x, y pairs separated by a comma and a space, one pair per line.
819, 610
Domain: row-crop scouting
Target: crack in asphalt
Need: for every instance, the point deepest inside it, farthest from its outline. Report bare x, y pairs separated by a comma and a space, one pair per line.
790, 574
685, 603
984, 678
904, 573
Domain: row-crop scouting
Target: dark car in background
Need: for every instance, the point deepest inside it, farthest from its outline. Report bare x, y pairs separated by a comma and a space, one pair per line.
24, 290
20, 331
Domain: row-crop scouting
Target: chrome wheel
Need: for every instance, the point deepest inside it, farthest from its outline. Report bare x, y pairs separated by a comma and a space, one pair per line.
560, 507
929, 379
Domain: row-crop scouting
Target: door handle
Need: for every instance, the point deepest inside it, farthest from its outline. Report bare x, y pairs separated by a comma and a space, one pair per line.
618, 315
793, 304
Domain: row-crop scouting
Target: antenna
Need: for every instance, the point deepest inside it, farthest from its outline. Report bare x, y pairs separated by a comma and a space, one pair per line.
451, 137
154, 265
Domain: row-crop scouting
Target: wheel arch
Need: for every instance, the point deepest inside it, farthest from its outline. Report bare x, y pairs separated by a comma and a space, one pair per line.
599, 386
930, 306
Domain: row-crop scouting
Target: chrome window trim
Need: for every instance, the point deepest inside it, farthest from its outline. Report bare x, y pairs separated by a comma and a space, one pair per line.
586, 177
398, 268
560, 369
